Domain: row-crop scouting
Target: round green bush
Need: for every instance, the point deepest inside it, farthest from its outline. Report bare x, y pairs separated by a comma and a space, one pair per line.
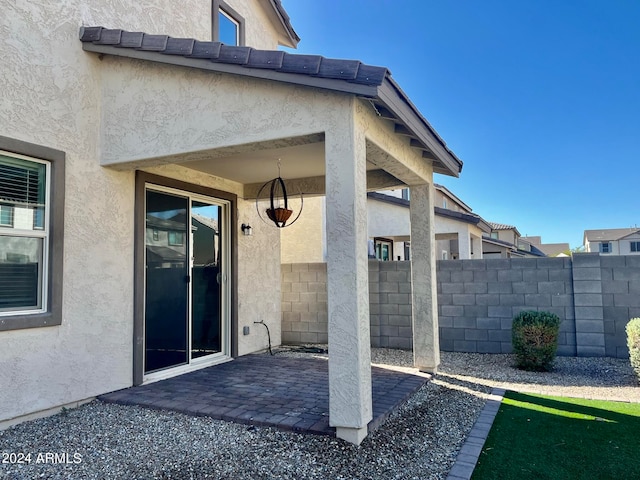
633, 342
535, 340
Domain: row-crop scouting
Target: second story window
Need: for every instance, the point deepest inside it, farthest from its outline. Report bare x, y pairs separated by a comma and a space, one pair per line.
228, 25
635, 246
605, 247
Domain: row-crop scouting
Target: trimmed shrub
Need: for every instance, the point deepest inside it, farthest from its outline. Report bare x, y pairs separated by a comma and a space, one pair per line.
535, 340
633, 342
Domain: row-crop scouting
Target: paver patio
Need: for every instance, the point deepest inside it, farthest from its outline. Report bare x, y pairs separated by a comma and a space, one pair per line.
283, 392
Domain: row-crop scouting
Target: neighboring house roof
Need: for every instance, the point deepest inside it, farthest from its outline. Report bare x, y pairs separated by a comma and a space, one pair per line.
496, 241
156, 253
535, 251
464, 217
383, 197
502, 226
533, 240
607, 235
553, 249
206, 221
448, 192
165, 223
549, 249
348, 76
286, 21
471, 218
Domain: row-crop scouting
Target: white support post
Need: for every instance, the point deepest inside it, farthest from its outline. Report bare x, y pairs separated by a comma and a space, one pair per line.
424, 300
464, 244
350, 398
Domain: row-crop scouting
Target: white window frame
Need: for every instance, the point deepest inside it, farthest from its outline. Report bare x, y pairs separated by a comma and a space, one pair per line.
634, 244
44, 234
602, 247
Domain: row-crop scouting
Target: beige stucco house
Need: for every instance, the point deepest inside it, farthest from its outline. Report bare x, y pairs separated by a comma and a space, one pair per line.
458, 231
505, 241
130, 161
613, 241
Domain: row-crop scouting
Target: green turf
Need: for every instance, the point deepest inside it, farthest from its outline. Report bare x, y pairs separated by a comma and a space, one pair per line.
541, 437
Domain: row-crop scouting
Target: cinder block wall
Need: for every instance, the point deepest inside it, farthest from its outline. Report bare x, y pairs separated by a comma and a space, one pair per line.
477, 300
620, 300
304, 303
594, 296
390, 292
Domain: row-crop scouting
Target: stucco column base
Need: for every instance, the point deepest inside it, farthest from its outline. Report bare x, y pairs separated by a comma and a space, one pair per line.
431, 370
351, 435
424, 295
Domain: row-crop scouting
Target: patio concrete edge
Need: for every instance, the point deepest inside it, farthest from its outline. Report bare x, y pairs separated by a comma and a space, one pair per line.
472, 447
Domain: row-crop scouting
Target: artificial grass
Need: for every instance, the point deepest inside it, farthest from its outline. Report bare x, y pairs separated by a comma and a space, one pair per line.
542, 437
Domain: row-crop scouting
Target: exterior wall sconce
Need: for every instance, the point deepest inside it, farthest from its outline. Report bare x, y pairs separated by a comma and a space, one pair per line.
247, 230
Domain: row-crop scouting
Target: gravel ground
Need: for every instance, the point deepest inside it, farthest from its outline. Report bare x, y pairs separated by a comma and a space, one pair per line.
420, 441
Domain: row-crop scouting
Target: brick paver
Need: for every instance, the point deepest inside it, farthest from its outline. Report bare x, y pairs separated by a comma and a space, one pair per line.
283, 392
470, 452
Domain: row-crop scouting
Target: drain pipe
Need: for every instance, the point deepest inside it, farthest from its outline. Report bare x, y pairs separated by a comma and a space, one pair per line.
268, 334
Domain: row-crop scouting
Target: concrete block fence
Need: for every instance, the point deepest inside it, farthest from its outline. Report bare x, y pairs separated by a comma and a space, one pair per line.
594, 296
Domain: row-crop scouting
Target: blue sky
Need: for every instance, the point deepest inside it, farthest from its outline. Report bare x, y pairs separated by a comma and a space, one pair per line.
540, 99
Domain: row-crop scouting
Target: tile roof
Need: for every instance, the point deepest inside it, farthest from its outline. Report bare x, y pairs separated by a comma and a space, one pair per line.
348, 76
609, 234
501, 226
350, 70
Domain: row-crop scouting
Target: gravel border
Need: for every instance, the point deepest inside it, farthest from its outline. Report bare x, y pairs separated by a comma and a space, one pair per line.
420, 441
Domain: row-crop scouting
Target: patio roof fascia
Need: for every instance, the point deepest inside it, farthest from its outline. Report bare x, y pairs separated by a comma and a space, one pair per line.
285, 22
445, 161
388, 93
235, 69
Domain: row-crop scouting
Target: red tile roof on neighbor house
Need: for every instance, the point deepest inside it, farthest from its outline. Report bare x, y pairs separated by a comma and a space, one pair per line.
348, 76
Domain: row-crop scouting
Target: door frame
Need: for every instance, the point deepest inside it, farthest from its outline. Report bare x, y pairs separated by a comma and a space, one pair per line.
142, 179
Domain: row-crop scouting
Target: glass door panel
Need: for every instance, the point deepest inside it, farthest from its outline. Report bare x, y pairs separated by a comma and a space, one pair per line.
206, 318
167, 277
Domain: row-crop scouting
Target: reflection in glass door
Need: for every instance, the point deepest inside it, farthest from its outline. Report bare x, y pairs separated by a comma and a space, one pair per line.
206, 332
185, 279
167, 275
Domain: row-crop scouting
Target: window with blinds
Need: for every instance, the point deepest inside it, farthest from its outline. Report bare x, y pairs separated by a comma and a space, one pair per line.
23, 234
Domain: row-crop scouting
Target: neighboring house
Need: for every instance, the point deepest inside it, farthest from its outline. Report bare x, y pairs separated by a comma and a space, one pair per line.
613, 241
549, 249
459, 231
129, 162
505, 241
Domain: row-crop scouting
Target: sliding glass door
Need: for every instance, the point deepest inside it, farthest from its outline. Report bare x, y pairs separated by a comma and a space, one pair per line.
186, 264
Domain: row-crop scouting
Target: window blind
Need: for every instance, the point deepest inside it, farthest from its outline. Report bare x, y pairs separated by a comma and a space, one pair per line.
22, 182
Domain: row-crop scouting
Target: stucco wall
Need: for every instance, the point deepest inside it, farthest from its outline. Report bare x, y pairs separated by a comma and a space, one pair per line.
624, 245
116, 111
387, 219
53, 97
304, 241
